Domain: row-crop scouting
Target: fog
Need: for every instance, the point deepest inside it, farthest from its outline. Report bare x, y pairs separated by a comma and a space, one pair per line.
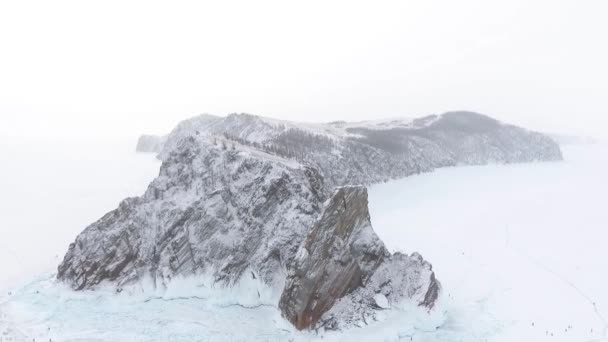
116, 68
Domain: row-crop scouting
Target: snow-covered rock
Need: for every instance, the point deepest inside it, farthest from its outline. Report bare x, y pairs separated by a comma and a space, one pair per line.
237, 197
209, 210
381, 301
342, 259
370, 152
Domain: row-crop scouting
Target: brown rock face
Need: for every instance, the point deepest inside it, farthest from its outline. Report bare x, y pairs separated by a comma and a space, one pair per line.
342, 270
339, 255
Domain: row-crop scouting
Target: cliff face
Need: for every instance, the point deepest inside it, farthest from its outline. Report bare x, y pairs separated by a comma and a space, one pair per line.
243, 196
209, 210
339, 258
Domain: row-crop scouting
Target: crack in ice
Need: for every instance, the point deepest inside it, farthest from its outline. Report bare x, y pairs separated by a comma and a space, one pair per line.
570, 284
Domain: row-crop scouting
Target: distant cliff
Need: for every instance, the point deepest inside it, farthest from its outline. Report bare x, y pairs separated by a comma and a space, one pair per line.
150, 143
374, 151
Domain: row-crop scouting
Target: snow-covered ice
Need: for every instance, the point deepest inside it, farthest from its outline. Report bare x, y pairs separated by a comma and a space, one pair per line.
525, 244
519, 249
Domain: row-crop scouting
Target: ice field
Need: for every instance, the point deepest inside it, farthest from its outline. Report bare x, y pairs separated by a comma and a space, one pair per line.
519, 249
522, 244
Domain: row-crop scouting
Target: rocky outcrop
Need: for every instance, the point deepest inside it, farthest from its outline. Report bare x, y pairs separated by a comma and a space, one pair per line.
211, 210
242, 196
342, 259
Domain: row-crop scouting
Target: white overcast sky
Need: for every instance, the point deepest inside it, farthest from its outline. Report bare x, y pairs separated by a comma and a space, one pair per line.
120, 68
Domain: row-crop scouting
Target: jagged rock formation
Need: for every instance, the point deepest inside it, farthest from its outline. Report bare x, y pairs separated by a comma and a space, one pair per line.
150, 143
209, 210
238, 196
342, 254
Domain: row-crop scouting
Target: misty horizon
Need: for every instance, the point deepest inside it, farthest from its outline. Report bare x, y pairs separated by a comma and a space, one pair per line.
121, 69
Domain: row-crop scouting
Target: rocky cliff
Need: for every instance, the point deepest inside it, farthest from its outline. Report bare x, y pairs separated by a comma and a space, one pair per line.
243, 196
342, 259
210, 210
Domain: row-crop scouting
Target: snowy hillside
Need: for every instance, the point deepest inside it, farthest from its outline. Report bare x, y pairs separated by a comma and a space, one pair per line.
369, 152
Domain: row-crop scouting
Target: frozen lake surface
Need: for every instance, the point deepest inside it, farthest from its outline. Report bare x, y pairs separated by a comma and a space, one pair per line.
523, 244
519, 249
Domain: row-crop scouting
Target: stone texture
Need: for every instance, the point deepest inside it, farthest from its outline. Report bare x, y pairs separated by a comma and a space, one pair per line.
342, 254
209, 210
